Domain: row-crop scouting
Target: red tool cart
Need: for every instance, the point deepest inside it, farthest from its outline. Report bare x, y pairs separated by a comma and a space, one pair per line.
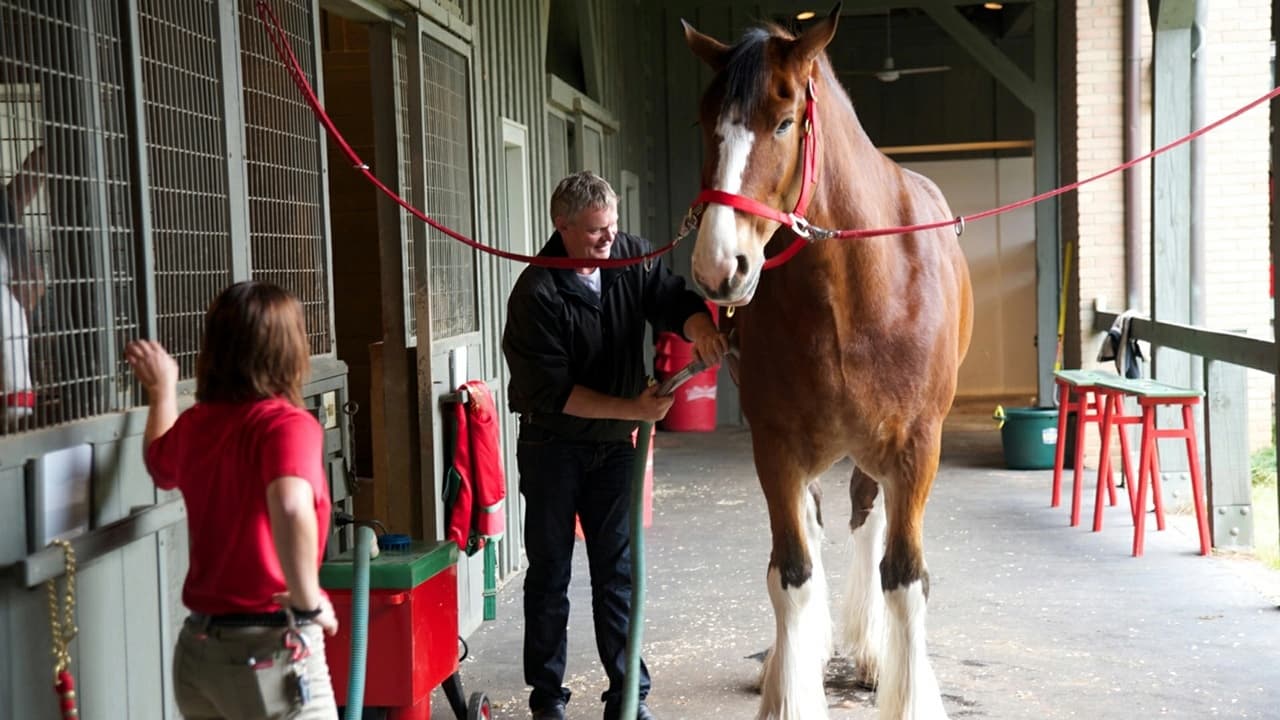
412, 635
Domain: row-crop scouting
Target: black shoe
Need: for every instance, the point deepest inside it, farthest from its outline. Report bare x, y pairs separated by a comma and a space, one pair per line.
611, 712
554, 711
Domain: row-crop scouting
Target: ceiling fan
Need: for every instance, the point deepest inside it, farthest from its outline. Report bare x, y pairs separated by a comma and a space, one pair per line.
889, 71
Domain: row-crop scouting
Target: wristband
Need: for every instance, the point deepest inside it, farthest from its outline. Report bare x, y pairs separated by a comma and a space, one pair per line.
305, 614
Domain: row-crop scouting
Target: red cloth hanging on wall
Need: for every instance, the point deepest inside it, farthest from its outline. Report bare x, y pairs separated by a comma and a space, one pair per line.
477, 512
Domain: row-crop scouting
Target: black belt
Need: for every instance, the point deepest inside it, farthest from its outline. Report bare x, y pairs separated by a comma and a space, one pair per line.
536, 433
270, 619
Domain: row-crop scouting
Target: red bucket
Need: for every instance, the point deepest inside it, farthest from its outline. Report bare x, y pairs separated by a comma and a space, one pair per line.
694, 409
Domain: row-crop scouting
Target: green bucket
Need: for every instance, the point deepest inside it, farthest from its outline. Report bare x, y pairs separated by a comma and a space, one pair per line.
1029, 436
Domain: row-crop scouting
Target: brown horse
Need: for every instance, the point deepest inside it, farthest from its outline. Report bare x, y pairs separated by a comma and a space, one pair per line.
848, 350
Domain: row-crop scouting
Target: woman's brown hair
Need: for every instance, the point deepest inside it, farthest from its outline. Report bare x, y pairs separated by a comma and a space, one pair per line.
254, 346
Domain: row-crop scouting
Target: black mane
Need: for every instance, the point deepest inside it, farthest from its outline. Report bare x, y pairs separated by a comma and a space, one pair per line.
744, 75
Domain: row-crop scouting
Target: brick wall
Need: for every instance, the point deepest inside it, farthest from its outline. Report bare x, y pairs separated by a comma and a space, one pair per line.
1237, 223
1237, 52
1099, 139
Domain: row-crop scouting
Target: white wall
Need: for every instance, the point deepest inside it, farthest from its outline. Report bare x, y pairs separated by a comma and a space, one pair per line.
1002, 266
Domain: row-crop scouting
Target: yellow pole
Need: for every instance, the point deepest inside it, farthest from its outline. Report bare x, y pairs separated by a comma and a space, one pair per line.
1062, 306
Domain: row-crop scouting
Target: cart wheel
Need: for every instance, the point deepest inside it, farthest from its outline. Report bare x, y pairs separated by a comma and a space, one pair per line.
478, 708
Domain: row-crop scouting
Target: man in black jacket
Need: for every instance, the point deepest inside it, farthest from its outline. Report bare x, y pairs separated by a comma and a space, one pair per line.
574, 343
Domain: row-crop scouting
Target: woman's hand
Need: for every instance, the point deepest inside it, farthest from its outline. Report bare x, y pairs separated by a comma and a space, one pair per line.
327, 619
155, 369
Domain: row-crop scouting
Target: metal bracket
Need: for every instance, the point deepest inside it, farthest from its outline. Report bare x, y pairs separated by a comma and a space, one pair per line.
1232, 526
810, 232
461, 396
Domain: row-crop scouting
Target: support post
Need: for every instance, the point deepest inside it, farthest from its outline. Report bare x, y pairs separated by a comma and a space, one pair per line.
1226, 418
1048, 228
1275, 233
1171, 213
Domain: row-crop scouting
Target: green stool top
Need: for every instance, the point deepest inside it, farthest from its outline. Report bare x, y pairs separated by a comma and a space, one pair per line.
1144, 387
1079, 378
397, 570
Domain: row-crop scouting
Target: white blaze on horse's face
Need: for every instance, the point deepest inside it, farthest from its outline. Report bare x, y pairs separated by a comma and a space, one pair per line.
727, 256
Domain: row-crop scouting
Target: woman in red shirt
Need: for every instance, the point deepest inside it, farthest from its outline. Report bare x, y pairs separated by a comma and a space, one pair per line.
248, 461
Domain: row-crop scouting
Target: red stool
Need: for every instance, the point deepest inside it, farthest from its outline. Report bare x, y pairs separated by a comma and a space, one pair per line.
1113, 415
1077, 390
1152, 395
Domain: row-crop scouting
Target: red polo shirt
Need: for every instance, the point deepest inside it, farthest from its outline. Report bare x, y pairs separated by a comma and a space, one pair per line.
222, 456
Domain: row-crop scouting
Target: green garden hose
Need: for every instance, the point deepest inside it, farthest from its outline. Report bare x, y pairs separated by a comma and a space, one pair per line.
635, 628
359, 622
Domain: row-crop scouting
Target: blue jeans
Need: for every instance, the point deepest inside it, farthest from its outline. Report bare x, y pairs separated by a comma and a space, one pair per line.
560, 478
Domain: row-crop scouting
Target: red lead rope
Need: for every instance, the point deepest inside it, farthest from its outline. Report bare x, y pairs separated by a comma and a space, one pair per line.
277, 36
960, 220
806, 232
795, 221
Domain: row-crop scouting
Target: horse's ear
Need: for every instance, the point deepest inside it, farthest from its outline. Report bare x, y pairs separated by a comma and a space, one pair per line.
816, 38
712, 52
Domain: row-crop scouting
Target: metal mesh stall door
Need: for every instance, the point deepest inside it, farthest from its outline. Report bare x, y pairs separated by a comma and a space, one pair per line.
408, 224
282, 155
186, 158
118, 311
68, 282
448, 156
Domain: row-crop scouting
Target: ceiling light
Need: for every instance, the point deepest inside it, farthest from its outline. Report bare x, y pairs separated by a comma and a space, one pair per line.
806, 15
993, 5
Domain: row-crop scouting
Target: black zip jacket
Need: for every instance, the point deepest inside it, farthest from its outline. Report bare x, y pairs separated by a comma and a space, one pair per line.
558, 335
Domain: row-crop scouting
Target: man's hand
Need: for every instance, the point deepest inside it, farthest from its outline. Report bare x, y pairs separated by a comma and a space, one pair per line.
650, 406
708, 344
153, 366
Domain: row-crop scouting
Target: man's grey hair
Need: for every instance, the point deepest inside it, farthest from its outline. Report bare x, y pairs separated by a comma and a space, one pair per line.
580, 191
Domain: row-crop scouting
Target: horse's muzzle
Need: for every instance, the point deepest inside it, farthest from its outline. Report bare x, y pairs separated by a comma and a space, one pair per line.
735, 290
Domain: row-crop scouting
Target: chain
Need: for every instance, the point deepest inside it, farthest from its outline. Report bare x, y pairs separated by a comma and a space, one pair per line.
350, 408
62, 625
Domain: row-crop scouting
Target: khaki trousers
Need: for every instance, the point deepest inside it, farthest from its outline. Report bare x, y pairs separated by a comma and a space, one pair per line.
242, 673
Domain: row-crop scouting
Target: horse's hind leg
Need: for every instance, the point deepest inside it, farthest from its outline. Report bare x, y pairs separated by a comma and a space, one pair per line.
908, 689
862, 624
791, 682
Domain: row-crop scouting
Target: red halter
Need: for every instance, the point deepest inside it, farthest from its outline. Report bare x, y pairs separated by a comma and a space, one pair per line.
808, 178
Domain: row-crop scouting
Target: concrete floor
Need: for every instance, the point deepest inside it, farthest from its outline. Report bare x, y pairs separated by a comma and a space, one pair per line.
1028, 618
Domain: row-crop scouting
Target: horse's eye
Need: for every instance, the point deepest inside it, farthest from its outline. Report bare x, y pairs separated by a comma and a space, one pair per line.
784, 126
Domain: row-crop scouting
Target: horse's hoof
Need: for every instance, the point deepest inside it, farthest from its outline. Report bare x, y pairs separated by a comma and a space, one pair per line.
867, 680
844, 674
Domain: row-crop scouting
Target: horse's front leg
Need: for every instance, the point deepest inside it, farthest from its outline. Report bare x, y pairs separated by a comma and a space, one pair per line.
791, 682
862, 621
908, 689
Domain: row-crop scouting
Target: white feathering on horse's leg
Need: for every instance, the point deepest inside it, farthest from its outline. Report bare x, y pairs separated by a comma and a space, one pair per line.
862, 622
795, 677
908, 689
821, 608
791, 682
